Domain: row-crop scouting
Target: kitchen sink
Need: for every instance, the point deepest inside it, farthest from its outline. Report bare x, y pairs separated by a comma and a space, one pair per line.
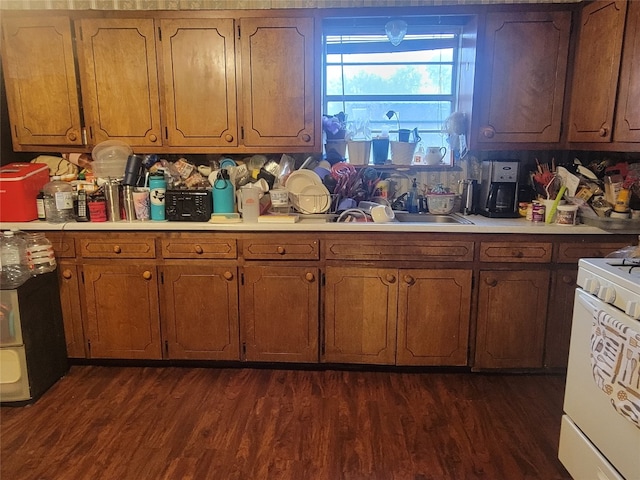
406, 217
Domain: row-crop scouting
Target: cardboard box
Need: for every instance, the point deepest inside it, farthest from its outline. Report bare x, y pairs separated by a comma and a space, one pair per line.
20, 184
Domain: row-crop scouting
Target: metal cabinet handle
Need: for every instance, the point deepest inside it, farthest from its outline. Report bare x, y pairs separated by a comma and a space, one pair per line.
228, 275
146, 275
280, 250
117, 249
198, 249
309, 277
67, 274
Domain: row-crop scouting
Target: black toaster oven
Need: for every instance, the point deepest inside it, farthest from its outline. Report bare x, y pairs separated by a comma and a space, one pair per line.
188, 205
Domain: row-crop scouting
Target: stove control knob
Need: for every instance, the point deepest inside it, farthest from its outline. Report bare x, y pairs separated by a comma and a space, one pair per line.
607, 294
592, 286
633, 309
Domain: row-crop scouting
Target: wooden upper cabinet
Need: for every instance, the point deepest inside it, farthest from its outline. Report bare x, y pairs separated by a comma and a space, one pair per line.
198, 57
278, 81
41, 84
118, 70
523, 72
597, 66
627, 126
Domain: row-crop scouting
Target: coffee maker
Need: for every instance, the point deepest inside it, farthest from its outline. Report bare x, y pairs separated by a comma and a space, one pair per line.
499, 189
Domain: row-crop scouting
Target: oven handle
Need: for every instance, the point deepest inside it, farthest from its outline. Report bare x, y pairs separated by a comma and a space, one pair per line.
588, 302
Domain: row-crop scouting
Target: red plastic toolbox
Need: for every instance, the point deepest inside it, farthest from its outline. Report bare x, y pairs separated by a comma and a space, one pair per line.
19, 187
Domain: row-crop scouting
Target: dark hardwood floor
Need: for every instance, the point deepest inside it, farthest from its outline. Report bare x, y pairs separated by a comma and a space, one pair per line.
207, 423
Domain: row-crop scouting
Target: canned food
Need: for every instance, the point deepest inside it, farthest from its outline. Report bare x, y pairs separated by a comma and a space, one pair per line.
537, 212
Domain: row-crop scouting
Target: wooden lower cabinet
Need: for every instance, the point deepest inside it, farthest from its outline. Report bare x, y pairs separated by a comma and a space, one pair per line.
559, 315
433, 317
512, 310
200, 310
122, 310
397, 316
360, 308
69, 281
280, 313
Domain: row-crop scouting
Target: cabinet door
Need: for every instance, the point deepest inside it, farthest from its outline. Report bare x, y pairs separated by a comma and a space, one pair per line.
278, 81
118, 69
40, 76
595, 78
360, 315
71, 309
524, 65
627, 128
433, 317
558, 331
512, 309
199, 82
200, 315
123, 319
280, 312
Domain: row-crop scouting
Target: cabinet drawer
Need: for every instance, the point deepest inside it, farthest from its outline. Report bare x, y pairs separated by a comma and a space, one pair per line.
117, 247
450, 251
274, 248
538, 252
63, 245
197, 246
572, 252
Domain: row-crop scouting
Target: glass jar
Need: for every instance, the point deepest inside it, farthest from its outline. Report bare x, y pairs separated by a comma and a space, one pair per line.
40, 255
58, 201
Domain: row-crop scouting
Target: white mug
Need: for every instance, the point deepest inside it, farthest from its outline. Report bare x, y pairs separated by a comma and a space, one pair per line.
382, 214
434, 155
249, 203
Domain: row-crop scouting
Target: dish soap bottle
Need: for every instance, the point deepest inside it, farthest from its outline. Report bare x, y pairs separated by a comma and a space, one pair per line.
412, 197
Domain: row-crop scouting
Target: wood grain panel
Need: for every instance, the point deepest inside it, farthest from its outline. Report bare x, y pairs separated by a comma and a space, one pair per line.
195, 246
510, 252
627, 127
280, 247
382, 249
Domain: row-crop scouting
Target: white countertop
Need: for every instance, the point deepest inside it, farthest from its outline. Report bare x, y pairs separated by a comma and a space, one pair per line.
479, 224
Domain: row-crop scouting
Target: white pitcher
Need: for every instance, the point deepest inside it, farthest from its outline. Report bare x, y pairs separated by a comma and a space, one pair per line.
434, 155
249, 203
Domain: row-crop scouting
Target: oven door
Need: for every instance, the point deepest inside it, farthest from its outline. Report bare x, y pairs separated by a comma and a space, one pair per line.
589, 389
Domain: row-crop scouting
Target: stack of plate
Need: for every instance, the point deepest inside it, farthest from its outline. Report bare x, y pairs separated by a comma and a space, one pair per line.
307, 193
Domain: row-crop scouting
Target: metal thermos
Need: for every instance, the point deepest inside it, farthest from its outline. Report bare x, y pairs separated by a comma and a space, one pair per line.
112, 195
469, 193
127, 198
134, 171
223, 193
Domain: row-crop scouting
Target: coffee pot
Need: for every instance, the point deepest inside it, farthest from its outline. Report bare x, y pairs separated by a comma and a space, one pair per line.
499, 189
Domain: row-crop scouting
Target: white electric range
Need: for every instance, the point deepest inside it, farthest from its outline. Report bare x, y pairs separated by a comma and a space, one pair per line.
600, 431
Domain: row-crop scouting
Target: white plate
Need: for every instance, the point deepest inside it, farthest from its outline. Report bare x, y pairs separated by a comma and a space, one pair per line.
313, 199
300, 179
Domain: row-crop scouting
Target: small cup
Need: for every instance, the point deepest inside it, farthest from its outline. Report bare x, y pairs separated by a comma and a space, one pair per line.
141, 203
404, 134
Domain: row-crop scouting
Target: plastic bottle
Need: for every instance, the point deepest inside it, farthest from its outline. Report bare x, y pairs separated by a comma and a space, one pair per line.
58, 201
40, 255
223, 193
412, 198
14, 270
157, 191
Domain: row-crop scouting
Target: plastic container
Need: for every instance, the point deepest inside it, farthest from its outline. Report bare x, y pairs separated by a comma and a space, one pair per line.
441, 204
110, 159
14, 271
19, 187
402, 153
40, 255
567, 214
58, 201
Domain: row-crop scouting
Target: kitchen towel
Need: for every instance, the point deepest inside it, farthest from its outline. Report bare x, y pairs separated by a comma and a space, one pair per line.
615, 362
